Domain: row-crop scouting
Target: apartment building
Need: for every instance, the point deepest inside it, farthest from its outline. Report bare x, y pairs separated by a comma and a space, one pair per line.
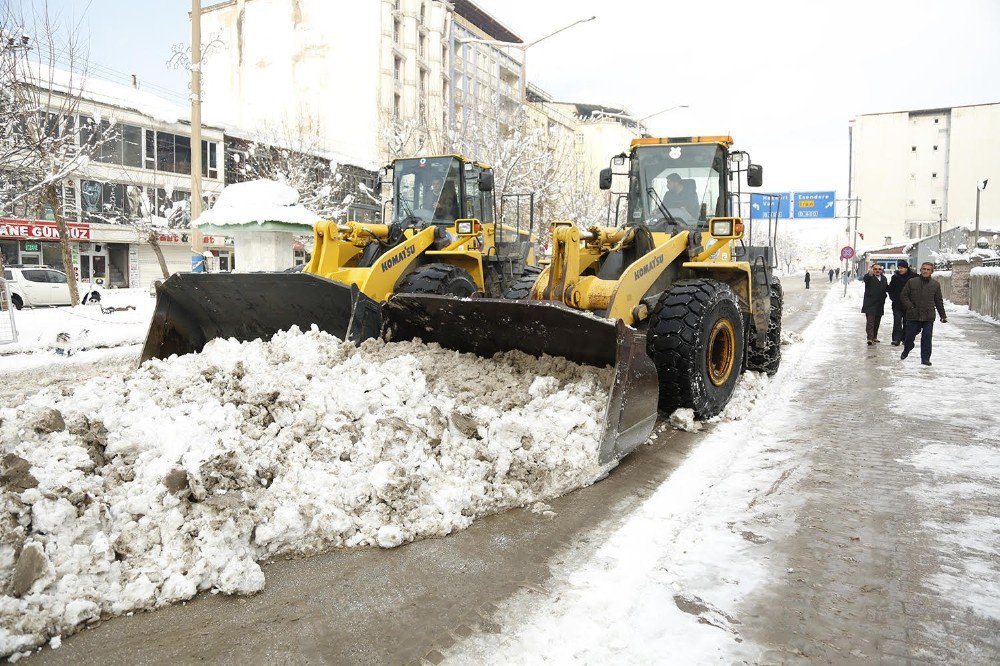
917, 170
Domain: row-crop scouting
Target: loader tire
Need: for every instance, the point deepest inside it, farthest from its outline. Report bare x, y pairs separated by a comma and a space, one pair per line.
441, 279
768, 358
696, 340
522, 287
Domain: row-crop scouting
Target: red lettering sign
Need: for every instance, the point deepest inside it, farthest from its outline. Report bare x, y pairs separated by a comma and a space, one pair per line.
39, 230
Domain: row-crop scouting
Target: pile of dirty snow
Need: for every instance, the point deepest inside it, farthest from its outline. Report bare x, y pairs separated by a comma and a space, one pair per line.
136, 492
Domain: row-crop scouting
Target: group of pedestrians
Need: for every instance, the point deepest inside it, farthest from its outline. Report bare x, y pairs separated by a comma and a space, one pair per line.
914, 301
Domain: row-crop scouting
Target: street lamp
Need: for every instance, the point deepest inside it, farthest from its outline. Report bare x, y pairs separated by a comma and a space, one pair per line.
608, 114
980, 186
523, 47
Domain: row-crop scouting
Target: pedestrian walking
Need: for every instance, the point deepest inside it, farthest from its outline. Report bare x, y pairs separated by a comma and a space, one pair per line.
899, 279
921, 297
838, 273
831, 276
807, 279
873, 304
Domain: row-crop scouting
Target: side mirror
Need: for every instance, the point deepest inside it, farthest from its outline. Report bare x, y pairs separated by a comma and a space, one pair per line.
486, 181
605, 179
755, 175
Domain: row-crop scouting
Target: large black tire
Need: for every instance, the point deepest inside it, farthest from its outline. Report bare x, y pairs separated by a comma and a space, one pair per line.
16, 301
768, 358
696, 341
441, 279
523, 285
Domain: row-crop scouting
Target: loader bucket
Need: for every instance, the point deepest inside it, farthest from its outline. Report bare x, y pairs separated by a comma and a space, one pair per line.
486, 326
193, 308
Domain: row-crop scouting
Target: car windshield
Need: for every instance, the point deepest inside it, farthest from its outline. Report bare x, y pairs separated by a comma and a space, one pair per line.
676, 184
426, 191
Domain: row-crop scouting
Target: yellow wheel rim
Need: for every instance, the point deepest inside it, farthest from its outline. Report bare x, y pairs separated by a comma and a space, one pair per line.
721, 352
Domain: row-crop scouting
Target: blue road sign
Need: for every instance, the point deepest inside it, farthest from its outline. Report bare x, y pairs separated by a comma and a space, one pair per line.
762, 207
815, 205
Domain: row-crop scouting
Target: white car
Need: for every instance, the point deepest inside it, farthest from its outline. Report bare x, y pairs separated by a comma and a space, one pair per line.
31, 286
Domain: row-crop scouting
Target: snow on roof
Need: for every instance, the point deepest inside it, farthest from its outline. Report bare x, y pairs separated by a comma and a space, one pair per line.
106, 92
257, 202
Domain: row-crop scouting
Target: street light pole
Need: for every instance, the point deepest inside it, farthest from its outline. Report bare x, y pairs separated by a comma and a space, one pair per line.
523, 47
980, 186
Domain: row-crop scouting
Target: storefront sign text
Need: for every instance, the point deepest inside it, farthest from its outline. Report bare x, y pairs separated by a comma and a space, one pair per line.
40, 230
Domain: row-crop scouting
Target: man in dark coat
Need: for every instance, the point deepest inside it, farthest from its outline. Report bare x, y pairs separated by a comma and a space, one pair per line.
902, 275
921, 297
831, 275
807, 279
873, 305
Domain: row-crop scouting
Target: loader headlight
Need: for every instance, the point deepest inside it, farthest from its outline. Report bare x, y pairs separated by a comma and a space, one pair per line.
464, 228
722, 228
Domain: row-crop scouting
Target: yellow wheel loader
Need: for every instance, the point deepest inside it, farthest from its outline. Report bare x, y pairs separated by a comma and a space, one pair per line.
441, 238
674, 295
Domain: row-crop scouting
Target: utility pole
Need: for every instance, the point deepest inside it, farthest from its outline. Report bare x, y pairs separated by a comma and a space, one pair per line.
197, 245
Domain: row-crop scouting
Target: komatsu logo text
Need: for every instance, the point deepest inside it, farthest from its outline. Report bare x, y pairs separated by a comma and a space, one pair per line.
398, 257
650, 265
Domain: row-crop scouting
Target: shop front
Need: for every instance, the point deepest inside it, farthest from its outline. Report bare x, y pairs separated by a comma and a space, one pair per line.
36, 242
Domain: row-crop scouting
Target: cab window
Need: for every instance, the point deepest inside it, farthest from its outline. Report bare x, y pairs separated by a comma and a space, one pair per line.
56, 277
35, 275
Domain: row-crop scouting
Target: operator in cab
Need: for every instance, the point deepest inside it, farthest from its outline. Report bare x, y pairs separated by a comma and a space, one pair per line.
681, 194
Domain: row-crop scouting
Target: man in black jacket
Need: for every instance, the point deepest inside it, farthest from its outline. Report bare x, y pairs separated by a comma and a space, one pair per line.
920, 298
873, 305
902, 275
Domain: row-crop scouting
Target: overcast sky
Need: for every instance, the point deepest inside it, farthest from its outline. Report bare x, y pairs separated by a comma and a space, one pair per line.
783, 77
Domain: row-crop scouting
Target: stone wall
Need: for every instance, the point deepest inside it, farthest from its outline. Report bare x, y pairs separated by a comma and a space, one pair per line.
944, 278
984, 291
959, 282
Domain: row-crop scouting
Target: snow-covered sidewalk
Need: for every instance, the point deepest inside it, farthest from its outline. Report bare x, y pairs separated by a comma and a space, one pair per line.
733, 558
53, 334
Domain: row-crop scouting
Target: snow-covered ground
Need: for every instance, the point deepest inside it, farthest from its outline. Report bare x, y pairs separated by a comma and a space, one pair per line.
138, 491
49, 335
668, 581
669, 584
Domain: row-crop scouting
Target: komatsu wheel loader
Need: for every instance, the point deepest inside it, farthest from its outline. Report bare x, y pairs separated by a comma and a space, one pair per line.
441, 238
674, 296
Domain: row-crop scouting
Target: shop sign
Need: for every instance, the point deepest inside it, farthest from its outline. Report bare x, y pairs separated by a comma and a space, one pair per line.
171, 237
40, 230
31, 247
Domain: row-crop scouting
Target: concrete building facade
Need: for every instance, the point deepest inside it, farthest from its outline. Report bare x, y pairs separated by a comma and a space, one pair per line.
138, 178
913, 169
350, 73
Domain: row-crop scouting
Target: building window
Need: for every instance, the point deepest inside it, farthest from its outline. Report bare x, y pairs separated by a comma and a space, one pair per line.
936, 121
935, 147
934, 175
396, 104
149, 152
423, 13
396, 31
422, 46
397, 70
209, 159
933, 201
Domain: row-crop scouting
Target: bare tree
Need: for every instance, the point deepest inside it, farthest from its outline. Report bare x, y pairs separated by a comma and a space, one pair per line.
45, 140
294, 156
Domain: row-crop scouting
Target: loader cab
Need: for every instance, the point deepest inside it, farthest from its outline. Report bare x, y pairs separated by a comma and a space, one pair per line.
440, 190
676, 186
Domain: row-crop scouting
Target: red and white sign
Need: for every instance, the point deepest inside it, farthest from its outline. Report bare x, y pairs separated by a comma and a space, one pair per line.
847, 252
39, 230
172, 237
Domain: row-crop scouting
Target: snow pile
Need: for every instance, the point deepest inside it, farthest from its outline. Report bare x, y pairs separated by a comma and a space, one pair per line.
684, 419
137, 492
257, 202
